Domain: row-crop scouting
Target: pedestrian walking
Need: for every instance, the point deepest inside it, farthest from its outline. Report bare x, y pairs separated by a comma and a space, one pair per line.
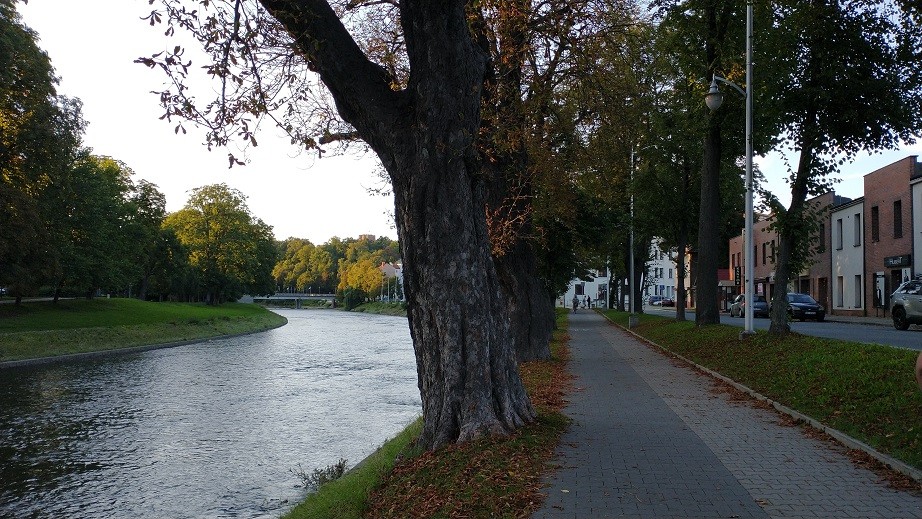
575, 303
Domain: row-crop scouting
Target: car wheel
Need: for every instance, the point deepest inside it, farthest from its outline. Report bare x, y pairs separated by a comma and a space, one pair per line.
820, 319
899, 319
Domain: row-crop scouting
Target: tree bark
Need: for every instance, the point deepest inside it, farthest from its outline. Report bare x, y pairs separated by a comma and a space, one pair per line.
531, 306
682, 243
424, 135
681, 246
706, 306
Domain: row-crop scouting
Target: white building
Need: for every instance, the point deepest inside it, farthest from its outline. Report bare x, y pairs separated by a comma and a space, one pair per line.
393, 276
661, 277
848, 256
596, 289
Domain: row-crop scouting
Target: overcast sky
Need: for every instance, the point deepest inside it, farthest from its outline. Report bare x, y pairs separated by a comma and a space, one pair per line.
92, 46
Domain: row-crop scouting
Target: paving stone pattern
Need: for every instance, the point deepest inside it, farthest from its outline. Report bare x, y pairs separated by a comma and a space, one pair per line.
653, 438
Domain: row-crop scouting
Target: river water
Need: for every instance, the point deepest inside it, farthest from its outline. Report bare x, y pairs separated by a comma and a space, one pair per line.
216, 429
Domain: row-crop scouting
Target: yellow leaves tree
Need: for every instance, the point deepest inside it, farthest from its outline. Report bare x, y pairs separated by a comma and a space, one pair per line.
362, 275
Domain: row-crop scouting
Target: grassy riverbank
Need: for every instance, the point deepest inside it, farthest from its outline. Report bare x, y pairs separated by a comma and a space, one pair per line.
382, 308
865, 391
499, 477
46, 329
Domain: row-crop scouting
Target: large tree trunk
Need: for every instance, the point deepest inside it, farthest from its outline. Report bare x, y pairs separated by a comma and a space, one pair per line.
531, 307
468, 376
424, 136
706, 305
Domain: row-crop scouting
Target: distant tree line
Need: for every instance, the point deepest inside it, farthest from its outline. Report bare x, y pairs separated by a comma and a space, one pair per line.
76, 224
348, 267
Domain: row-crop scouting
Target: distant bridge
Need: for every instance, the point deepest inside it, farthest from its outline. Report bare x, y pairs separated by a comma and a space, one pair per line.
297, 297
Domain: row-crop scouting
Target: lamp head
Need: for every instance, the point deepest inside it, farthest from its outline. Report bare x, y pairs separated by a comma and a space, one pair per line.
714, 98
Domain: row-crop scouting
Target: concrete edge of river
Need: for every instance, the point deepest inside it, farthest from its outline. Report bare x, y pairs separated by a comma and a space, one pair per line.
91, 355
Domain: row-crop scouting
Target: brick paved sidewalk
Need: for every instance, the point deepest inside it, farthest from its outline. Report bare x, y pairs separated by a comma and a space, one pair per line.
652, 438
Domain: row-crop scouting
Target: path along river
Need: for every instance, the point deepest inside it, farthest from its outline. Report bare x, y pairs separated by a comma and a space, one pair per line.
216, 429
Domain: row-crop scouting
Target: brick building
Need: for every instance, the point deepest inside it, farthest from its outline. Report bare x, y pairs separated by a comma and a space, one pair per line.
888, 228
866, 248
814, 280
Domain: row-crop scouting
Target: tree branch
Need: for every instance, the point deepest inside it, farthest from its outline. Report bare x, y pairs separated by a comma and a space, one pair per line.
361, 89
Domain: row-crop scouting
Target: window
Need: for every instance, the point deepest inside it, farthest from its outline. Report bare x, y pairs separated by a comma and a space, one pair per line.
858, 230
773, 252
670, 273
822, 247
875, 224
839, 234
764, 247
858, 291
755, 255
898, 219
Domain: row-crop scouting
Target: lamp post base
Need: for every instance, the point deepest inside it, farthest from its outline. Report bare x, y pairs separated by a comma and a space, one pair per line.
745, 334
632, 321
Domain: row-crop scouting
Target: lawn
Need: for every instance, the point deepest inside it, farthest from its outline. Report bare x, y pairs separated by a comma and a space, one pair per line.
47, 329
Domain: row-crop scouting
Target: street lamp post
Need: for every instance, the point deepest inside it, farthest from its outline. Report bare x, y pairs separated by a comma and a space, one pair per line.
713, 99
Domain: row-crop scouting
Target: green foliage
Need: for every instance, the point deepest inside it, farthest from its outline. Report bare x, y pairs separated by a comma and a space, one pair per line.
39, 133
319, 477
865, 391
353, 297
230, 251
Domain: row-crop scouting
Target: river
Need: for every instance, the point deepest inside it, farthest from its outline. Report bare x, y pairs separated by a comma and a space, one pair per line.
210, 430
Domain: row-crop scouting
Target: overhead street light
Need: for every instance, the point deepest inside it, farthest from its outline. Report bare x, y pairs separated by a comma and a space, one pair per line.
713, 99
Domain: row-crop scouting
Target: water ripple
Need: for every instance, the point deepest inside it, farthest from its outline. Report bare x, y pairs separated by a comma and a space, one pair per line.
204, 431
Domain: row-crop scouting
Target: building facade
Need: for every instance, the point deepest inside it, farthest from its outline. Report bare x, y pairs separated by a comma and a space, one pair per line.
888, 228
865, 247
847, 259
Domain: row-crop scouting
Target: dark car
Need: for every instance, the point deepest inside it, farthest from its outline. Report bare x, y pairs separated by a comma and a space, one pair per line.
655, 300
759, 306
667, 301
803, 307
906, 304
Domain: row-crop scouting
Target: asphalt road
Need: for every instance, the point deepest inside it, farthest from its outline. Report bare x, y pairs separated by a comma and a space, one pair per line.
858, 332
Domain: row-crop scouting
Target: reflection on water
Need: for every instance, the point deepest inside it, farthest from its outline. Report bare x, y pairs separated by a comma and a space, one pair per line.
207, 430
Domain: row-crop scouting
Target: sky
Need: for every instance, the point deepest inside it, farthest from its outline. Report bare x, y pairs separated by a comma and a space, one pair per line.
93, 49
93, 45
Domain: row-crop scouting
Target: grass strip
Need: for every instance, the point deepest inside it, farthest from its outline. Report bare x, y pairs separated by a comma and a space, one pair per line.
491, 477
378, 307
39, 330
347, 497
866, 391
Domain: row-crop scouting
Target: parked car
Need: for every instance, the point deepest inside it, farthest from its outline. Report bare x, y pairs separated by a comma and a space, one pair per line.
906, 304
655, 300
803, 307
668, 301
759, 306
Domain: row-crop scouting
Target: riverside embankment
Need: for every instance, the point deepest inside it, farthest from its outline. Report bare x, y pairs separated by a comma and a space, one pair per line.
217, 428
